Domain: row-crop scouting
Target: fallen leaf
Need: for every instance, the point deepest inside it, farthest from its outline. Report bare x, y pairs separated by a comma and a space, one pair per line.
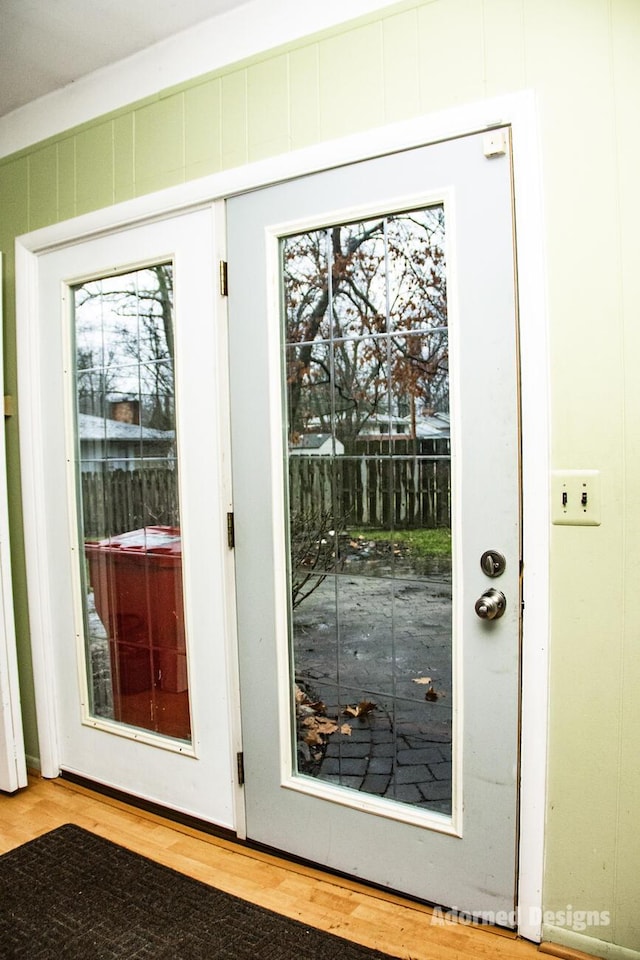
313, 738
326, 726
431, 694
422, 680
305, 705
305, 710
346, 729
363, 708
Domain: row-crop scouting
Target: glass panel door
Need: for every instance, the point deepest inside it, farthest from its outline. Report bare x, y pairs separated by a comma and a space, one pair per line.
368, 428
133, 481
374, 411
127, 476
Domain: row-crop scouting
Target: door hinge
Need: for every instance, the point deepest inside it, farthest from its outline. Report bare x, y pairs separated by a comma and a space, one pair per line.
224, 279
240, 766
231, 531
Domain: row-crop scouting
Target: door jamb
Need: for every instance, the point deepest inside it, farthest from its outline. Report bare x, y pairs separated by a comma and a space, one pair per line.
517, 110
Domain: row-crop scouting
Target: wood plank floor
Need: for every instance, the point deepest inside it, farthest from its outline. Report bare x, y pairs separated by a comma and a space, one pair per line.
345, 908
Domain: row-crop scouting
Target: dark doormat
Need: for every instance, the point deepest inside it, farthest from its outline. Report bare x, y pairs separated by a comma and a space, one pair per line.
70, 895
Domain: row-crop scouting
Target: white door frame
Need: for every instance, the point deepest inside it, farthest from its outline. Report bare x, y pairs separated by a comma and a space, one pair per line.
13, 768
517, 110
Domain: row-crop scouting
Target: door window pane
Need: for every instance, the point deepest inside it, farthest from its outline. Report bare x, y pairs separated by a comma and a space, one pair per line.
127, 478
369, 493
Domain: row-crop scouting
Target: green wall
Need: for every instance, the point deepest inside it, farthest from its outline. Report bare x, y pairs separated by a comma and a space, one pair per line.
581, 58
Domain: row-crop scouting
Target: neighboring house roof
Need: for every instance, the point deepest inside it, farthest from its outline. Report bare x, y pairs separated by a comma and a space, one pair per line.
433, 427
310, 441
320, 444
436, 426
99, 428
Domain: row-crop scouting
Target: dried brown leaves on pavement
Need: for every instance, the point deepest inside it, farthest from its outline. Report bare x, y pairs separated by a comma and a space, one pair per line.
361, 710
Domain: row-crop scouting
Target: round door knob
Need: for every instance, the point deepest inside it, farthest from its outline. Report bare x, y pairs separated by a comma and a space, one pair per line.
491, 605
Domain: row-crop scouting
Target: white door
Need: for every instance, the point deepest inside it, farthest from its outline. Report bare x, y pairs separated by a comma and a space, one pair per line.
131, 366
375, 437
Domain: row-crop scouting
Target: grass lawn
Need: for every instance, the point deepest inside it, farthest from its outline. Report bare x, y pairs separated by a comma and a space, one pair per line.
422, 543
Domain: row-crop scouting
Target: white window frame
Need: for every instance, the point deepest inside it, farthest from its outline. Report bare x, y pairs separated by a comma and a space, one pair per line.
518, 111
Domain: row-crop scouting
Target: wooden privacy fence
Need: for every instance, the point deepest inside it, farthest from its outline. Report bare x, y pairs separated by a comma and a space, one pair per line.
410, 489
119, 500
370, 490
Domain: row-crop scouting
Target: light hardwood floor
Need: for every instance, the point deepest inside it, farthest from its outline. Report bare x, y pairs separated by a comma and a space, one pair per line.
345, 908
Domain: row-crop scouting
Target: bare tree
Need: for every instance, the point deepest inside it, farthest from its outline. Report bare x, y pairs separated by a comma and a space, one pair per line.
366, 315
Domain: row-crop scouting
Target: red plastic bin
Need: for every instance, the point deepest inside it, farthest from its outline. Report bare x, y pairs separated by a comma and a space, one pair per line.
137, 583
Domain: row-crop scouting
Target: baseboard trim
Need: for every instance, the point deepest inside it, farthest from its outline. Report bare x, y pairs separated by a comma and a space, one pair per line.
564, 953
569, 945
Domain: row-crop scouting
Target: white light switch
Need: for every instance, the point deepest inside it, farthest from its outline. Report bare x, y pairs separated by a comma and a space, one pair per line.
575, 497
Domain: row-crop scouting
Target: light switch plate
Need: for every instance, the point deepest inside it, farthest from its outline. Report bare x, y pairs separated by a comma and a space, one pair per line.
575, 497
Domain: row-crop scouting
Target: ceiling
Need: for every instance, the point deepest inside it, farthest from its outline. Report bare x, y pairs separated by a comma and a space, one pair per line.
47, 44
